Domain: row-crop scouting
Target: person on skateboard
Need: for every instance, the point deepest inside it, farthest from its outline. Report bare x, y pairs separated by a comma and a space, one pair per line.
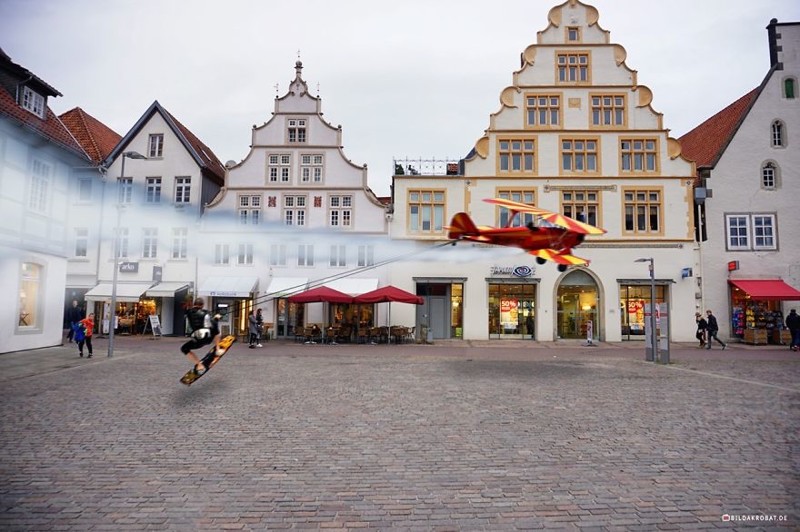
204, 330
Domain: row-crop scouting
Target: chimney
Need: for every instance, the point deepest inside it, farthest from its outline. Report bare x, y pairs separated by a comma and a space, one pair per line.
773, 36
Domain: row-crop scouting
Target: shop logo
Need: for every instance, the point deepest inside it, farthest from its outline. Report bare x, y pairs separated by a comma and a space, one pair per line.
522, 271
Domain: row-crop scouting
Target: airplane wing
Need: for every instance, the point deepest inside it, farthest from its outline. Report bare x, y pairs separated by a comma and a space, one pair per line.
552, 217
559, 258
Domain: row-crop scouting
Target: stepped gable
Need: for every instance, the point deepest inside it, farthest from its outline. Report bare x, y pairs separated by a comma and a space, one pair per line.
97, 139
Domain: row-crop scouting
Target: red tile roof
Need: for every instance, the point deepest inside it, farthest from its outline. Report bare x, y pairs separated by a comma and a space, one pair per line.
49, 127
706, 143
97, 139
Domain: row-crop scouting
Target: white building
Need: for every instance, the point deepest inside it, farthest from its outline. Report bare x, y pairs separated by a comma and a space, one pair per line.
295, 213
575, 133
159, 178
748, 162
41, 165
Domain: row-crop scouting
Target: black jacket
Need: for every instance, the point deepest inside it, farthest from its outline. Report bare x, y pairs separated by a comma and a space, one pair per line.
702, 324
793, 321
712, 323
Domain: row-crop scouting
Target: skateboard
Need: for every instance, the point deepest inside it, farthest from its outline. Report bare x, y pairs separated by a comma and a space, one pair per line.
209, 361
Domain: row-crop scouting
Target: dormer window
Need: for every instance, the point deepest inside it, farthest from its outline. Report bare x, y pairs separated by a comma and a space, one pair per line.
297, 130
33, 102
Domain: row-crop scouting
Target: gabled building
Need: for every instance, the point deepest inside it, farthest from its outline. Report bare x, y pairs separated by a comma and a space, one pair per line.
159, 178
748, 170
41, 163
86, 202
296, 212
576, 134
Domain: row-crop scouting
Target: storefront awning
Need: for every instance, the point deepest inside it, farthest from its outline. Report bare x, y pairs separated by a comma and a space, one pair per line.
228, 286
286, 286
166, 289
352, 286
774, 289
126, 292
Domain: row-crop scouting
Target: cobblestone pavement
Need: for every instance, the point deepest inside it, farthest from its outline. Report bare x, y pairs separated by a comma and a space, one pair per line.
453, 436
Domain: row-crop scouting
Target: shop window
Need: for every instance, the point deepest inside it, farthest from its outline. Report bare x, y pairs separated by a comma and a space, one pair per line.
29, 295
633, 299
511, 309
577, 304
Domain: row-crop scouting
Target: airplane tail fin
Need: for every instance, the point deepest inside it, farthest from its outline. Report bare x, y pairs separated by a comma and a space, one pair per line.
461, 225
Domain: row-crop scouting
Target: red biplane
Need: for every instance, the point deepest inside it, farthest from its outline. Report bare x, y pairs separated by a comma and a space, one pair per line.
551, 239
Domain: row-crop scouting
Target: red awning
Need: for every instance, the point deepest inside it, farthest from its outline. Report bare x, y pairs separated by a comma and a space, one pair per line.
766, 289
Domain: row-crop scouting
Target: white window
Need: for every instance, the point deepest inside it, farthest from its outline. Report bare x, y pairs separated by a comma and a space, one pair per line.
277, 255
279, 167
341, 211
156, 145
305, 255
245, 256
40, 186
311, 168
183, 190
338, 255
153, 190
297, 130
180, 239
747, 232
249, 209
769, 176
366, 256
222, 254
125, 190
84, 190
30, 293
122, 243
81, 241
294, 210
149, 243
33, 102
777, 134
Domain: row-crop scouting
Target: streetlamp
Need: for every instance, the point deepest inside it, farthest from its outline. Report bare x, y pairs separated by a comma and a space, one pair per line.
650, 357
130, 155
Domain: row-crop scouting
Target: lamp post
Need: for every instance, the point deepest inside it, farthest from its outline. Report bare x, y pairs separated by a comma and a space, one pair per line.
653, 338
130, 155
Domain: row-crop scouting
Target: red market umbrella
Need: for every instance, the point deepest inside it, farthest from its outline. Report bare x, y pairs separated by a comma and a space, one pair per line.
389, 294
321, 294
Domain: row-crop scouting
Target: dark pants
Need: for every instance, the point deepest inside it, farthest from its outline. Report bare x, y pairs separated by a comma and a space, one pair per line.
86, 340
701, 335
71, 333
795, 337
713, 335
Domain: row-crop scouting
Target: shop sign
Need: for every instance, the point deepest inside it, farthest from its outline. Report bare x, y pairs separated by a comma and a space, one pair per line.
223, 293
516, 271
129, 267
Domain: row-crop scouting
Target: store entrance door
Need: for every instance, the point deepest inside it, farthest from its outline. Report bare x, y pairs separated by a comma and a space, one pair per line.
577, 306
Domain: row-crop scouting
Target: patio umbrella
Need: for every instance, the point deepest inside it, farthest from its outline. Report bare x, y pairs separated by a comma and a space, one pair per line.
321, 294
388, 294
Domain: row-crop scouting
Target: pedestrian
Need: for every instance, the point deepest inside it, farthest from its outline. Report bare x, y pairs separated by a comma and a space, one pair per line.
529, 324
712, 328
260, 326
85, 330
793, 324
702, 326
252, 329
74, 315
204, 331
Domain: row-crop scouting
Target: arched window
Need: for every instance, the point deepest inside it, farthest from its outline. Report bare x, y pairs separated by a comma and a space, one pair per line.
790, 88
777, 134
769, 175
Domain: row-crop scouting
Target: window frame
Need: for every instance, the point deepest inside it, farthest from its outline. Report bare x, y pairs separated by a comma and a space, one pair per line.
340, 216
618, 114
149, 242
366, 255
647, 203
294, 212
155, 146
249, 209
222, 254
520, 195
152, 190
81, 241
587, 154
180, 243
769, 167
748, 231
645, 154
415, 221
338, 256
526, 152
534, 108
279, 171
778, 131
585, 68
33, 102
277, 255
39, 191
305, 255
30, 296
244, 257
296, 131
183, 190
570, 205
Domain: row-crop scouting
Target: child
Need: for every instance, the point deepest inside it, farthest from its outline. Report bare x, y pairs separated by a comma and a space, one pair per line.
84, 334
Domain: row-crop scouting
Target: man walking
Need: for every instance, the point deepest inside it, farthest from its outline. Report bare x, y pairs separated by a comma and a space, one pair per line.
712, 328
793, 324
74, 315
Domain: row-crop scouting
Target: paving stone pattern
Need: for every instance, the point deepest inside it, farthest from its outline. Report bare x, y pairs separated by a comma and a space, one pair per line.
460, 436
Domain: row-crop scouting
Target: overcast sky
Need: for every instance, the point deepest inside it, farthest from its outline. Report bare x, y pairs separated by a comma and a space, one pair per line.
412, 78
